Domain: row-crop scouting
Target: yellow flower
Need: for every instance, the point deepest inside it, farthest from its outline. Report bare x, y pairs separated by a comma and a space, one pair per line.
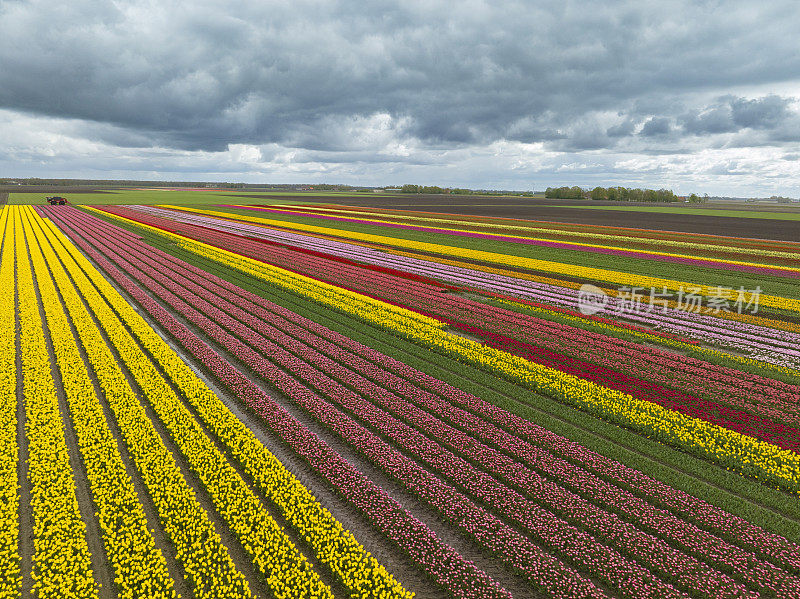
585, 272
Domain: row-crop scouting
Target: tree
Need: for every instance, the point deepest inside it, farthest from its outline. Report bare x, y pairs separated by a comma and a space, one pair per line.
431, 189
622, 194
598, 193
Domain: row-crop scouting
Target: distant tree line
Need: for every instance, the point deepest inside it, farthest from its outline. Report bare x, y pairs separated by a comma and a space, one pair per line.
626, 194
619, 194
37, 182
566, 193
332, 187
411, 188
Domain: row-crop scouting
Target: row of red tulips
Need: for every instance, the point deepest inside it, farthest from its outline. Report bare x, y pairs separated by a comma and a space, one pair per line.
772, 431
430, 299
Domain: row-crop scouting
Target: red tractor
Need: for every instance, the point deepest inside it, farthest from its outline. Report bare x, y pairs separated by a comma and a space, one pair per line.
57, 200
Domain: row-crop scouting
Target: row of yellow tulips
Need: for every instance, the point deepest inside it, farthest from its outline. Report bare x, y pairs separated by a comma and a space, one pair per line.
61, 561
285, 569
729, 448
625, 242
11, 579
584, 272
139, 567
358, 571
551, 232
199, 549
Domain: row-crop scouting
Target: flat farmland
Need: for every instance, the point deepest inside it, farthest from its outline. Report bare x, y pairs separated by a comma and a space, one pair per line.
734, 221
131, 196
210, 394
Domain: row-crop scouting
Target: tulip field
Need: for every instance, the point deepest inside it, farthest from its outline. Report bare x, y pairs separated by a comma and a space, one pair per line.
320, 400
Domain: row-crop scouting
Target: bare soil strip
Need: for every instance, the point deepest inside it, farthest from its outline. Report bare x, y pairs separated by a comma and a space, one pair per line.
544, 209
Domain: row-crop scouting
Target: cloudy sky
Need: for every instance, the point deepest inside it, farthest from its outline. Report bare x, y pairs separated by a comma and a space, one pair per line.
699, 95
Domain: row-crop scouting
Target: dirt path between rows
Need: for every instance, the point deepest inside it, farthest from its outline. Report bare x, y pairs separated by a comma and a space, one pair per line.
25, 511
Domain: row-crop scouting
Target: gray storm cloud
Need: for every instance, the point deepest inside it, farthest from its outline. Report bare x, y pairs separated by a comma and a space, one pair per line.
734, 114
351, 78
